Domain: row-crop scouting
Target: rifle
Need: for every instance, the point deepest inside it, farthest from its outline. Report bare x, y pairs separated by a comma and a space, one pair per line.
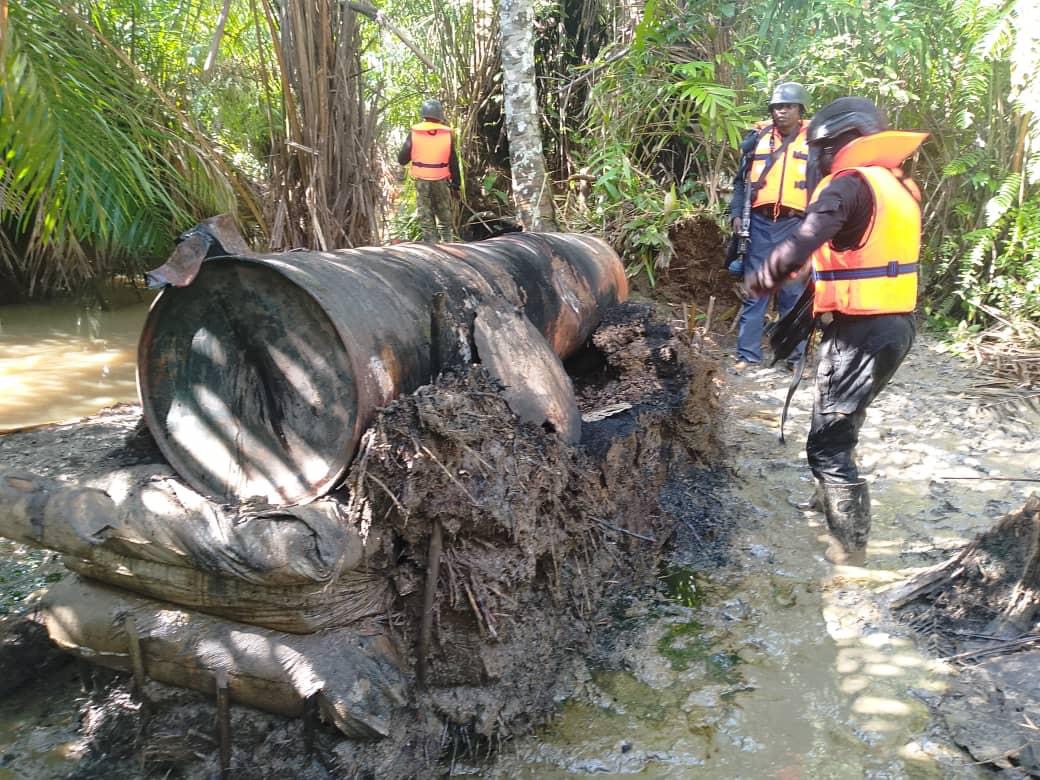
736, 252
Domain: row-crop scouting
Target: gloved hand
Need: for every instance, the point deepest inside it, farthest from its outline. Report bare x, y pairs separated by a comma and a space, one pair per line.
758, 282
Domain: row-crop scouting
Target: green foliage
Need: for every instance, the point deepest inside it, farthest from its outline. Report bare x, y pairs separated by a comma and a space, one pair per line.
954, 69
97, 169
715, 106
633, 211
113, 141
649, 161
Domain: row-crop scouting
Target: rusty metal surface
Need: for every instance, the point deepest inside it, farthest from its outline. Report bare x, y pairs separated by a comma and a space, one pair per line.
259, 379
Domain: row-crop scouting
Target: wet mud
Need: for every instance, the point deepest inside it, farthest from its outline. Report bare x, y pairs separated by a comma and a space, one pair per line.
774, 663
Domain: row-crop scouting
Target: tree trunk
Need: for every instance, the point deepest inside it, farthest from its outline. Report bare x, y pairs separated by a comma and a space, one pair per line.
532, 191
218, 34
1019, 613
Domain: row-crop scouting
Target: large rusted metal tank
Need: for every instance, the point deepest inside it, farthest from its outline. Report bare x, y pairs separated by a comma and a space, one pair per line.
259, 378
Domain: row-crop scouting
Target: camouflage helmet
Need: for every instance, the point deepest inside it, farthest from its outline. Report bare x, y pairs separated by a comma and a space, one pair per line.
432, 109
790, 92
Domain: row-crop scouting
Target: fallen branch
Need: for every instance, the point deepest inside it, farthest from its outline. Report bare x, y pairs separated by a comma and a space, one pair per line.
927, 581
622, 530
1002, 648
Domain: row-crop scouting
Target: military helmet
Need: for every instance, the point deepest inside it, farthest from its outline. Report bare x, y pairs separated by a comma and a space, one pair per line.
852, 116
432, 109
790, 92
836, 125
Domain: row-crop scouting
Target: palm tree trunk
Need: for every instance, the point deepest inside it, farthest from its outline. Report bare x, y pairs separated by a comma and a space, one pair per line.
532, 191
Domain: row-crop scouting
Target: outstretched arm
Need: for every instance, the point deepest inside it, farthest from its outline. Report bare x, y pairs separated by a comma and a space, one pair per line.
841, 213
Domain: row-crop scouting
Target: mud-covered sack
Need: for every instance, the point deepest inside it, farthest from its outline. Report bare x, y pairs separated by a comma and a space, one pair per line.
299, 609
147, 513
354, 678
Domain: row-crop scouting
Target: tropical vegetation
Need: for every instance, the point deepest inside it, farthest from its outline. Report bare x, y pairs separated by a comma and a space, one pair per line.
125, 121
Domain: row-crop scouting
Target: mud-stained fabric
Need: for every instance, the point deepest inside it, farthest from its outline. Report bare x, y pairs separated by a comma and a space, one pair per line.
858, 357
433, 202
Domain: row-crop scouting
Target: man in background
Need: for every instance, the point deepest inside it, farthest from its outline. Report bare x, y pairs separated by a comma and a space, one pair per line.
430, 149
772, 176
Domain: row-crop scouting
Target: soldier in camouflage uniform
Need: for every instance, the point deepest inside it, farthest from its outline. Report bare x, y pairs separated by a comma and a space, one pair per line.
430, 149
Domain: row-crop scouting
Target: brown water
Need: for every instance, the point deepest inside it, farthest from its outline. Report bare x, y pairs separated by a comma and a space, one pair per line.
64, 361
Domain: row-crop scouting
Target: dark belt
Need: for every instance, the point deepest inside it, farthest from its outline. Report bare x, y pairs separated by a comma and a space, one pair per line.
770, 211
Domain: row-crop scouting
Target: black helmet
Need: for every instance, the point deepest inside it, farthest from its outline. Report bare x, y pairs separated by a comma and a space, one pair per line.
432, 109
790, 92
846, 115
834, 126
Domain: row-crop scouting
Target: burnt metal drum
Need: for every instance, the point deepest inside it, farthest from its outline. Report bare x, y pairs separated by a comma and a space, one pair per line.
260, 377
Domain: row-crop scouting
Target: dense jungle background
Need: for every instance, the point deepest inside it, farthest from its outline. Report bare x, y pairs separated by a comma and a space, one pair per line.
127, 121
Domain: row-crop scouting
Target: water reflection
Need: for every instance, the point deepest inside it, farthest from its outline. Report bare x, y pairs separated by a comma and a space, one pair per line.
66, 360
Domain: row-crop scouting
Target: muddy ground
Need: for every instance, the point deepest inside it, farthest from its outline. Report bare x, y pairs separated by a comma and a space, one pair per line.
773, 663
743, 654
540, 541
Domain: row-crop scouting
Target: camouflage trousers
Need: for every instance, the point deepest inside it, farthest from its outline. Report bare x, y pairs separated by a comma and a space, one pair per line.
433, 202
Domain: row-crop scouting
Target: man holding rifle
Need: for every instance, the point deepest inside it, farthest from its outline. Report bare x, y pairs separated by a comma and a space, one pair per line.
769, 200
862, 235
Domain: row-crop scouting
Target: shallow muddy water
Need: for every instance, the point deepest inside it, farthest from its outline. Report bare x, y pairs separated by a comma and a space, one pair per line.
63, 361
780, 664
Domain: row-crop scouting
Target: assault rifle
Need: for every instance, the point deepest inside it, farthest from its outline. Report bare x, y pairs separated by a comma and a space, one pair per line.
736, 253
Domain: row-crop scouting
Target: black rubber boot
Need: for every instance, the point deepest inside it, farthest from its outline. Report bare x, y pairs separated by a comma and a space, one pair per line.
848, 519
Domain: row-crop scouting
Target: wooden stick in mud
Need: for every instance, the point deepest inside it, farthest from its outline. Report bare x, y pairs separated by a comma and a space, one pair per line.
134, 645
707, 317
432, 572
310, 723
224, 722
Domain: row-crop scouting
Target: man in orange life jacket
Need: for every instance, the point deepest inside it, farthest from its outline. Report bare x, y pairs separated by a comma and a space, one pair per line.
430, 149
773, 166
862, 234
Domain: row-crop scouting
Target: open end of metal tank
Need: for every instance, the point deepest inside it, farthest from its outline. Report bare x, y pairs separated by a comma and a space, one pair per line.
247, 387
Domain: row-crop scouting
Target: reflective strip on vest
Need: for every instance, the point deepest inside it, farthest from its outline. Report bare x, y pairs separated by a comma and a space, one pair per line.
784, 184
431, 151
879, 276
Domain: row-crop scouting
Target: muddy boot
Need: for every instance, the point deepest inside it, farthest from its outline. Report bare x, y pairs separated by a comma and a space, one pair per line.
848, 520
810, 503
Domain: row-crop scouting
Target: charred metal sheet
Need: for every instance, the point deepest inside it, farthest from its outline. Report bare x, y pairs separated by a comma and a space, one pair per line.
259, 378
537, 387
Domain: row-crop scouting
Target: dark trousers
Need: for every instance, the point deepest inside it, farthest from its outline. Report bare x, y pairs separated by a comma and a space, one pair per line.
765, 234
858, 357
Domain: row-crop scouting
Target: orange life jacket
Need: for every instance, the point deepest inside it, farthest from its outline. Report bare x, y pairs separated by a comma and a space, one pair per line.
880, 275
784, 182
431, 151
